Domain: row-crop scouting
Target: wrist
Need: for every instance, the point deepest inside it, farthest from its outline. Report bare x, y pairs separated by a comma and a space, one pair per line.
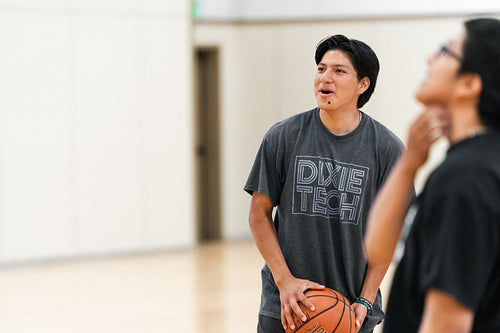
281, 278
365, 302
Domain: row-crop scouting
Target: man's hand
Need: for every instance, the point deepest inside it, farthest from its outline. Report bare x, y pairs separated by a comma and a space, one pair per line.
360, 312
291, 294
429, 126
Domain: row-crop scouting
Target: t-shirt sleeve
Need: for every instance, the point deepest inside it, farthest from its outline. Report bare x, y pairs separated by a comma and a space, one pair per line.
265, 174
394, 148
459, 245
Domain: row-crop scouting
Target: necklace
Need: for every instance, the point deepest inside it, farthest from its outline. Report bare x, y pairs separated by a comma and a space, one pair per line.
480, 130
334, 130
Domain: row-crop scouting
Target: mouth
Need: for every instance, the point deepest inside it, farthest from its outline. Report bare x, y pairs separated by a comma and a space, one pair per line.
325, 92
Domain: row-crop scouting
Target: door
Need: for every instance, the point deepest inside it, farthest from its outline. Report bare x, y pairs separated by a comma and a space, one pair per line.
207, 144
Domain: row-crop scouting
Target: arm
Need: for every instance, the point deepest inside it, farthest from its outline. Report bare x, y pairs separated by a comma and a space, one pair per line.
444, 314
383, 230
391, 205
388, 212
291, 289
373, 278
380, 245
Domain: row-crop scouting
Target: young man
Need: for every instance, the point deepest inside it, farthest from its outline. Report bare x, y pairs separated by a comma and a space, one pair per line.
321, 169
449, 277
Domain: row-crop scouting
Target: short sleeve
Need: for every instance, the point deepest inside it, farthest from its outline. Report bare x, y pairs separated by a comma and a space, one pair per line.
461, 238
393, 149
265, 174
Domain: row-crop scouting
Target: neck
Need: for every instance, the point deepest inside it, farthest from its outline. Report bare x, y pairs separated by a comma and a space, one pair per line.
340, 122
465, 123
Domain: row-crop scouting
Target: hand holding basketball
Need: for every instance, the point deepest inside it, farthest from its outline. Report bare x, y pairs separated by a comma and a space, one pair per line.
360, 311
291, 294
332, 313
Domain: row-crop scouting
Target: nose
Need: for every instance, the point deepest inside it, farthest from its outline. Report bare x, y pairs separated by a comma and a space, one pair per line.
326, 76
431, 58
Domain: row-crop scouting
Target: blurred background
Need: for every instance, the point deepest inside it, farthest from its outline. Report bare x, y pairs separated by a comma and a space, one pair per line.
128, 127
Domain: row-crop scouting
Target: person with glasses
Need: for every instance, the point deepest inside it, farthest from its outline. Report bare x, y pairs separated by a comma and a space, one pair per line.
449, 277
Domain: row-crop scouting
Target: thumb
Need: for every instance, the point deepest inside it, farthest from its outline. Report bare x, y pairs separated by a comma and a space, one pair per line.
314, 285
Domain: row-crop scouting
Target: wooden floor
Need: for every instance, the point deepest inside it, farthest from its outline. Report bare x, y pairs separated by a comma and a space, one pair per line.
213, 288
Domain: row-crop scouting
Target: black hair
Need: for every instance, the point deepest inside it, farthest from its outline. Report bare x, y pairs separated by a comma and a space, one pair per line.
362, 57
481, 55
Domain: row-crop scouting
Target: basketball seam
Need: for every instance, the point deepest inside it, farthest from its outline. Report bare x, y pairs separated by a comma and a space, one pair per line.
340, 319
330, 296
315, 317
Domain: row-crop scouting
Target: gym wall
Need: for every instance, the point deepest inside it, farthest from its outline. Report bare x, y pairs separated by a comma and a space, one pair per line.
267, 70
95, 128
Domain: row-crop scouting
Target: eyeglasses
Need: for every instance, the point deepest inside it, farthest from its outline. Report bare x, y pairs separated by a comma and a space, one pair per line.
446, 50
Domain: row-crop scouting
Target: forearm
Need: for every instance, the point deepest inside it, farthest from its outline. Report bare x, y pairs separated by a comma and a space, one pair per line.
267, 243
291, 289
388, 212
373, 278
264, 234
361, 308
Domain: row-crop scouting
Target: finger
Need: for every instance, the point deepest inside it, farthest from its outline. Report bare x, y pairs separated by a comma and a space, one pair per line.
434, 134
298, 311
304, 300
283, 318
432, 126
359, 315
433, 121
358, 321
314, 285
438, 117
289, 319
421, 127
307, 303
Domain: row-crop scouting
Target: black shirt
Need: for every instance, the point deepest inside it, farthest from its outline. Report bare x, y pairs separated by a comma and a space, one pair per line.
454, 244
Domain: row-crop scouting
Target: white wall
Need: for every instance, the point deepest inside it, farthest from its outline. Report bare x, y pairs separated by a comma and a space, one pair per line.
95, 127
267, 75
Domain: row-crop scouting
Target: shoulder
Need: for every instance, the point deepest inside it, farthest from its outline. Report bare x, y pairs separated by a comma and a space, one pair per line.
290, 126
383, 132
471, 168
477, 157
384, 139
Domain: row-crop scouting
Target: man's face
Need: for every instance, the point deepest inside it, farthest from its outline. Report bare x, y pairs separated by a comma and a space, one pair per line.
336, 84
443, 66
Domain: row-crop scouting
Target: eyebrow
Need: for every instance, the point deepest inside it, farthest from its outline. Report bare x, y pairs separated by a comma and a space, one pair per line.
452, 43
334, 65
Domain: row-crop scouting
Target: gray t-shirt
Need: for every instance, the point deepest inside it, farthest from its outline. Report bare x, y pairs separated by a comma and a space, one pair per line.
323, 186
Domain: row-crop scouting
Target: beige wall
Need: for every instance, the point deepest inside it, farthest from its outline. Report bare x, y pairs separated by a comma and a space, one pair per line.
267, 72
95, 128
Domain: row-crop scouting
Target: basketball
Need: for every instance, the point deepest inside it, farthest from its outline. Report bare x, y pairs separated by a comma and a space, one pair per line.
332, 313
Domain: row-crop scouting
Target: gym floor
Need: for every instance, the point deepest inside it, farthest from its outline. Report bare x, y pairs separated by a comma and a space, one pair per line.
212, 288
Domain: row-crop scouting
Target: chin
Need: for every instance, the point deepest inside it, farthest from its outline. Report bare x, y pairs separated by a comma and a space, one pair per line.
422, 97
419, 99
322, 104
326, 107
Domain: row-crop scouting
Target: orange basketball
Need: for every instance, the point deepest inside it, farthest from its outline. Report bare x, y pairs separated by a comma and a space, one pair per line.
332, 313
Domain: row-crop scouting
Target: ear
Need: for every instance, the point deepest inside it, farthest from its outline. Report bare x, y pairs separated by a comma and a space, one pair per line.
363, 84
469, 86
